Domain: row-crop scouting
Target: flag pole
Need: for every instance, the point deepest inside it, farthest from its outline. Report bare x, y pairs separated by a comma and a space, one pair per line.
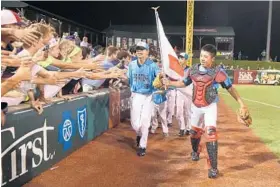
160, 50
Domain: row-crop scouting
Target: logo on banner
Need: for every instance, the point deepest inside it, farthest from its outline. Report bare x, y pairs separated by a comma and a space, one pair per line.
82, 121
115, 108
245, 76
26, 152
125, 104
66, 130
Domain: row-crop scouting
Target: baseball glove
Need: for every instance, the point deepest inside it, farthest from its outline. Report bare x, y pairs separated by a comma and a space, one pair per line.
157, 82
244, 117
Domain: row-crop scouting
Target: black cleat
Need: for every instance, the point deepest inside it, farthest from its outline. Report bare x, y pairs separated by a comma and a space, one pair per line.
141, 151
138, 138
169, 125
213, 173
187, 132
181, 133
195, 156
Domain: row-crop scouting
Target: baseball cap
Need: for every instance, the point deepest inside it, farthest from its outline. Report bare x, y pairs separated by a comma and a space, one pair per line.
184, 55
142, 46
10, 17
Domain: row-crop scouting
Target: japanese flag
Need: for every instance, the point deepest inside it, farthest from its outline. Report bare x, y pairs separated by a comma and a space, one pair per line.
169, 59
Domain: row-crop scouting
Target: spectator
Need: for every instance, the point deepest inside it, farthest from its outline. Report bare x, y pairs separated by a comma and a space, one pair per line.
240, 55
263, 55
124, 58
132, 51
97, 50
84, 43
110, 61
77, 39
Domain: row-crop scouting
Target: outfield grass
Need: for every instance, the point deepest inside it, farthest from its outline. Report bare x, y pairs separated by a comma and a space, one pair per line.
245, 63
266, 119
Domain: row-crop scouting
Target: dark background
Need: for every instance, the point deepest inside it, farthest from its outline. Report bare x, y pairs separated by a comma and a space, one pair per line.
248, 19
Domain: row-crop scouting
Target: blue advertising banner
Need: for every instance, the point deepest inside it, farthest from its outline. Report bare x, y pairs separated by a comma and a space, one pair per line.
32, 143
98, 113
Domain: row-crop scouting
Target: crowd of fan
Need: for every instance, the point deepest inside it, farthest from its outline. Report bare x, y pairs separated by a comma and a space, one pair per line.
38, 65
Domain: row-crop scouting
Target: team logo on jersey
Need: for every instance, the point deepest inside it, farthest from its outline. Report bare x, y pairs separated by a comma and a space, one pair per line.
82, 121
66, 130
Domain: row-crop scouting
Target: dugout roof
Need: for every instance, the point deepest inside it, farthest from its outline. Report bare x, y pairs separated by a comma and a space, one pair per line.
171, 30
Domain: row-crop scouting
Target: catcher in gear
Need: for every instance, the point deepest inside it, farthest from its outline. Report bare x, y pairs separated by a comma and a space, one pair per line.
206, 79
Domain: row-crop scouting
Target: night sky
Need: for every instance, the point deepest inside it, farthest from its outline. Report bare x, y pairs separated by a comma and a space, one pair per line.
248, 19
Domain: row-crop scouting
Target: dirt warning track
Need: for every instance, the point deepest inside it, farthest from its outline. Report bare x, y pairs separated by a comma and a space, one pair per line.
111, 160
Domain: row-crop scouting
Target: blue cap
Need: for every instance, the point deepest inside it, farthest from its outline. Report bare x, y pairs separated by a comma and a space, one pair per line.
184, 55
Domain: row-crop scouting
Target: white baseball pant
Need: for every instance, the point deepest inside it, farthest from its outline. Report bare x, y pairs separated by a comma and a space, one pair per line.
209, 113
140, 116
161, 109
171, 99
183, 110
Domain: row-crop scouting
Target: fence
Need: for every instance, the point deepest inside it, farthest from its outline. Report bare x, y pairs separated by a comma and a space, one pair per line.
33, 143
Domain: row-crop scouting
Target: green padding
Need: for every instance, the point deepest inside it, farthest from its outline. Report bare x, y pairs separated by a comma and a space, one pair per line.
98, 117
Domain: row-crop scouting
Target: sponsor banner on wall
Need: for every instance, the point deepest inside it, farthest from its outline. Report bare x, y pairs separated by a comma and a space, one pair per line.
244, 76
270, 77
98, 107
32, 143
114, 108
125, 103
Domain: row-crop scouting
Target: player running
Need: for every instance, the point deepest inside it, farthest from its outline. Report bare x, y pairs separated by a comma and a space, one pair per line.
141, 74
204, 77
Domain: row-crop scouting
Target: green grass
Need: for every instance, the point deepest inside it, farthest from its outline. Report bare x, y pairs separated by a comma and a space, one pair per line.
266, 119
244, 64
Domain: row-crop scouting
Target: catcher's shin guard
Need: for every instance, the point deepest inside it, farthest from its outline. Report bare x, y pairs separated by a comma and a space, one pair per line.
195, 140
212, 150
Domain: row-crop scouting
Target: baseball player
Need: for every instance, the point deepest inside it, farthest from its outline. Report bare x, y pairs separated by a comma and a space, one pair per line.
204, 103
141, 74
160, 106
171, 99
183, 102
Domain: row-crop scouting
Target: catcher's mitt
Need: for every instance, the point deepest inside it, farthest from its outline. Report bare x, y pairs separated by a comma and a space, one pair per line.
244, 117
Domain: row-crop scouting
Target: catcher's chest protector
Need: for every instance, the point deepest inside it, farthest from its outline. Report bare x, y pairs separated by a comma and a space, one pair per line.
203, 91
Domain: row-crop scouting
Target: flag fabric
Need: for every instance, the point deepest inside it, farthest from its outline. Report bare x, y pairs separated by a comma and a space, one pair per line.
169, 59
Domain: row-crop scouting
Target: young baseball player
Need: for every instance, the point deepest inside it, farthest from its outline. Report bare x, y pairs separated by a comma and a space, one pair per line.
204, 77
141, 74
171, 99
183, 102
160, 106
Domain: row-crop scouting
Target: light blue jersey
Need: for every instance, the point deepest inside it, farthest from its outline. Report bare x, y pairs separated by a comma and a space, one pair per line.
141, 77
159, 98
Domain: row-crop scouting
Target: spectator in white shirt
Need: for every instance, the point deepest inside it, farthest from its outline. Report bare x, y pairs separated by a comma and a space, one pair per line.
84, 43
